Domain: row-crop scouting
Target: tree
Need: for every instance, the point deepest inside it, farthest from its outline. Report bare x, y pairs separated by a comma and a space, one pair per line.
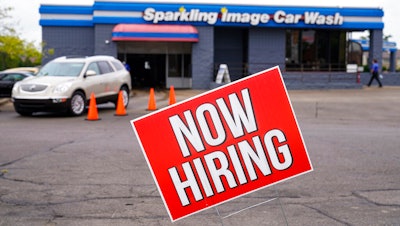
384, 38
387, 37
15, 52
5, 27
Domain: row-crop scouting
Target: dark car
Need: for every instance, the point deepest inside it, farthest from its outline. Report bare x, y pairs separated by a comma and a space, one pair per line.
8, 79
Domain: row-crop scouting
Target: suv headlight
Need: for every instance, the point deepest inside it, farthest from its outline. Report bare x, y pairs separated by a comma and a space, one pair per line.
62, 88
15, 88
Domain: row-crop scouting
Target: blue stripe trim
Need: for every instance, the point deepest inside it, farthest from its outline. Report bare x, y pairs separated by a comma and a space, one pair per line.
117, 20
154, 35
138, 7
271, 23
51, 9
67, 23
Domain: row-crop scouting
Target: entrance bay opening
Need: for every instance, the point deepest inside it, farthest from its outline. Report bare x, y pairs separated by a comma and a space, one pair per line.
147, 70
157, 64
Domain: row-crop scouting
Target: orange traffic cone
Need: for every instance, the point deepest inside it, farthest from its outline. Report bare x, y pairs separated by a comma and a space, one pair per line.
172, 95
152, 101
120, 110
92, 113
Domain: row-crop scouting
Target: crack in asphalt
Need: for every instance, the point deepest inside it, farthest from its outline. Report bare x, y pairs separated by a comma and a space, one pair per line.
360, 196
51, 149
327, 215
135, 218
83, 199
54, 215
22, 181
45, 204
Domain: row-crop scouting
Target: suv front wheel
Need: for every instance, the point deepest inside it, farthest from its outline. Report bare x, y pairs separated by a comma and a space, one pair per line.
78, 104
125, 96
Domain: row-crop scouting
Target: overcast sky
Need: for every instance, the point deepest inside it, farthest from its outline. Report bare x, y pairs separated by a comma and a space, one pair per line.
26, 12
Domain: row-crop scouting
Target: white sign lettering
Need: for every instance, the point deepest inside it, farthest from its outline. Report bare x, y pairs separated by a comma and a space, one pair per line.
254, 19
239, 121
238, 116
217, 164
317, 18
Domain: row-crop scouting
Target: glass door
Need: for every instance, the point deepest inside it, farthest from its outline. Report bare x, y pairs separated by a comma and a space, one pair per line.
178, 71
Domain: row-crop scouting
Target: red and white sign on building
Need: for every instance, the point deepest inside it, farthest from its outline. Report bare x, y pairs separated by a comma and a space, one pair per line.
223, 144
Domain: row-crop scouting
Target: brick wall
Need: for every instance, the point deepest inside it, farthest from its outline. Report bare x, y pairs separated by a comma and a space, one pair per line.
102, 40
266, 49
203, 59
67, 41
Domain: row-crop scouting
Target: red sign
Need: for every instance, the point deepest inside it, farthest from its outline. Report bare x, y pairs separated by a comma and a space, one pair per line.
223, 144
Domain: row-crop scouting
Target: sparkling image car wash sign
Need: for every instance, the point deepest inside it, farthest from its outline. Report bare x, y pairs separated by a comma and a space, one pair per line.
223, 144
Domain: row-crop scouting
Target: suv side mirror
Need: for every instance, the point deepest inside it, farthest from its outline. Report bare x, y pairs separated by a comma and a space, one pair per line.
90, 73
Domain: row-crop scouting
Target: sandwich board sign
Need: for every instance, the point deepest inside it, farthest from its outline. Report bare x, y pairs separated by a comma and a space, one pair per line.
223, 74
223, 144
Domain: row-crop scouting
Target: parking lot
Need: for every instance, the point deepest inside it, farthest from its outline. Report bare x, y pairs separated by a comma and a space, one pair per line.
58, 170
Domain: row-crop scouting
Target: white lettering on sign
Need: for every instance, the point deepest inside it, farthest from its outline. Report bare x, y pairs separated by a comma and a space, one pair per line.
240, 161
236, 119
318, 19
254, 19
314, 18
250, 18
194, 15
191, 133
209, 109
282, 17
217, 165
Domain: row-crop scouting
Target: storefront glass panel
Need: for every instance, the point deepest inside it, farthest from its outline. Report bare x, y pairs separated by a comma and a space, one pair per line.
315, 50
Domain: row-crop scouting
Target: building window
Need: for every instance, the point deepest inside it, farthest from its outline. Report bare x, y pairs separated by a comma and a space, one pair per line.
179, 65
315, 50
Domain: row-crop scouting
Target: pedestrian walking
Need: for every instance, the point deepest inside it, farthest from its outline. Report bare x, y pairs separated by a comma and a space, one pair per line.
375, 73
127, 67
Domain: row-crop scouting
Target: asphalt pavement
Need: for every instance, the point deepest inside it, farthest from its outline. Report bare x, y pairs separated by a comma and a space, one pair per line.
57, 170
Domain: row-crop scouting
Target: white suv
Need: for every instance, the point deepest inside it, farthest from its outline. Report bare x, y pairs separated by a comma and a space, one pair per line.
66, 83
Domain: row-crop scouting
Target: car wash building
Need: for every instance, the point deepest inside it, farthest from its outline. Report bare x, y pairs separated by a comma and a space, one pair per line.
183, 44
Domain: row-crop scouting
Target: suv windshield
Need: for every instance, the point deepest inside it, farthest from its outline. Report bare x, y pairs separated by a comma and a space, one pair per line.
61, 69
